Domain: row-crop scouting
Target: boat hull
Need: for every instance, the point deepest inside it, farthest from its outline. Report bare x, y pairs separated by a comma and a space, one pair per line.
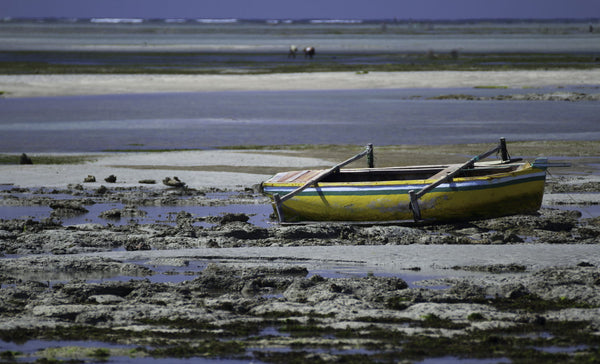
468, 198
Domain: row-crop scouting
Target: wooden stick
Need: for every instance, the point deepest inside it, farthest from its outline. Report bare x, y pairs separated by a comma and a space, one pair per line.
324, 174
370, 157
415, 196
503, 150
279, 200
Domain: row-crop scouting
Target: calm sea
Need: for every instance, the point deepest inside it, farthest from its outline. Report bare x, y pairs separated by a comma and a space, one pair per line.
212, 119
276, 35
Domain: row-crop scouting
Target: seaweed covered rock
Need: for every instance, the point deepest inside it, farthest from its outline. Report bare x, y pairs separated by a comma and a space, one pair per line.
66, 208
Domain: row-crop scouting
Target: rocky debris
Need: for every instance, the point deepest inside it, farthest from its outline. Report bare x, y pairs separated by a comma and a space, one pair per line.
493, 268
218, 279
550, 220
281, 306
111, 179
234, 230
173, 182
588, 229
244, 231
89, 179
102, 191
64, 208
38, 239
137, 243
128, 211
47, 266
147, 181
381, 234
112, 214
555, 96
369, 289
585, 187
228, 218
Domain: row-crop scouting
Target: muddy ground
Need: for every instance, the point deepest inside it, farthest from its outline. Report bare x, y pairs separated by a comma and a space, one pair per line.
60, 285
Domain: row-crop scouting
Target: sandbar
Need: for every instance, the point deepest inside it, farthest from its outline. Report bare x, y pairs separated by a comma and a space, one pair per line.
87, 84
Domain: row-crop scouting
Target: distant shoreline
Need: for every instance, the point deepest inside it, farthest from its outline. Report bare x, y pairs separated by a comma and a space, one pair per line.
288, 20
87, 84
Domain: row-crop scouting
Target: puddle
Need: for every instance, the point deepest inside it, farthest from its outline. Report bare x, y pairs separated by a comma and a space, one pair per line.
165, 214
561, 349
273, 331
529, 239
196, 360
32, 346
587, 211
456, 360
339, 272
178, 270
273, 296
412, 279
6, 187
249, 351
28, 350
25, 212
258, 213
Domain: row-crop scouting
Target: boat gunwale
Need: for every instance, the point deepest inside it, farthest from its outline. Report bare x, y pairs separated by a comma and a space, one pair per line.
520, 169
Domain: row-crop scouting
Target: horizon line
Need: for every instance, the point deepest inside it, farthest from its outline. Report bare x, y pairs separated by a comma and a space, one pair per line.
349, 19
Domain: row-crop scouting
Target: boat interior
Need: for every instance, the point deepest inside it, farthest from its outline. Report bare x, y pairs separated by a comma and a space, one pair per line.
417, 173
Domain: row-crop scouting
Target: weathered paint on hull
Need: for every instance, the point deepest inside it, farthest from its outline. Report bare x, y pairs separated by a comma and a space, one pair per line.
462, 199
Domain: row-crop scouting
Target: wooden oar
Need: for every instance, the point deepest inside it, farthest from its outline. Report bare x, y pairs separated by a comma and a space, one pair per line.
279, 200
415, 196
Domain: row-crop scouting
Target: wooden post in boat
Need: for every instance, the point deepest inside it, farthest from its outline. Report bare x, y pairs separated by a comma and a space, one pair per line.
503, 150
415, 196
279, 200
414, 205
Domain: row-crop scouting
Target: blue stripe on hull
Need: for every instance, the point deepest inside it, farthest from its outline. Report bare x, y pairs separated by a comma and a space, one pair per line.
404, 189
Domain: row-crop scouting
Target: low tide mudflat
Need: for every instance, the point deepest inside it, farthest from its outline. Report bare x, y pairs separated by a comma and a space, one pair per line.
152, 276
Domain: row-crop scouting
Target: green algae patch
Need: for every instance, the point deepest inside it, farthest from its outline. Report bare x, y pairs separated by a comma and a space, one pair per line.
476, 316
212, 348
434, 321
394, 155
491, 87
223, 63
48, 159
9, 355
535, 304
79, 353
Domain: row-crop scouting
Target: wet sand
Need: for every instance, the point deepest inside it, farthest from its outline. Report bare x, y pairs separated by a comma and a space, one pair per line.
63, 85
192, 167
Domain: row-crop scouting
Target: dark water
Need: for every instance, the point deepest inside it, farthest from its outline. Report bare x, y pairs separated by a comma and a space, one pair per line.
213, 119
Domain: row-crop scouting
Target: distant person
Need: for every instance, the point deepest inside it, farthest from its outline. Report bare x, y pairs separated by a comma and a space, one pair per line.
24, 159
293, 51
309, 52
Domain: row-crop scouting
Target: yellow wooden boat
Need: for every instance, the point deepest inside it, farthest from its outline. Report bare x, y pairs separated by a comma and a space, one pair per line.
473, 190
